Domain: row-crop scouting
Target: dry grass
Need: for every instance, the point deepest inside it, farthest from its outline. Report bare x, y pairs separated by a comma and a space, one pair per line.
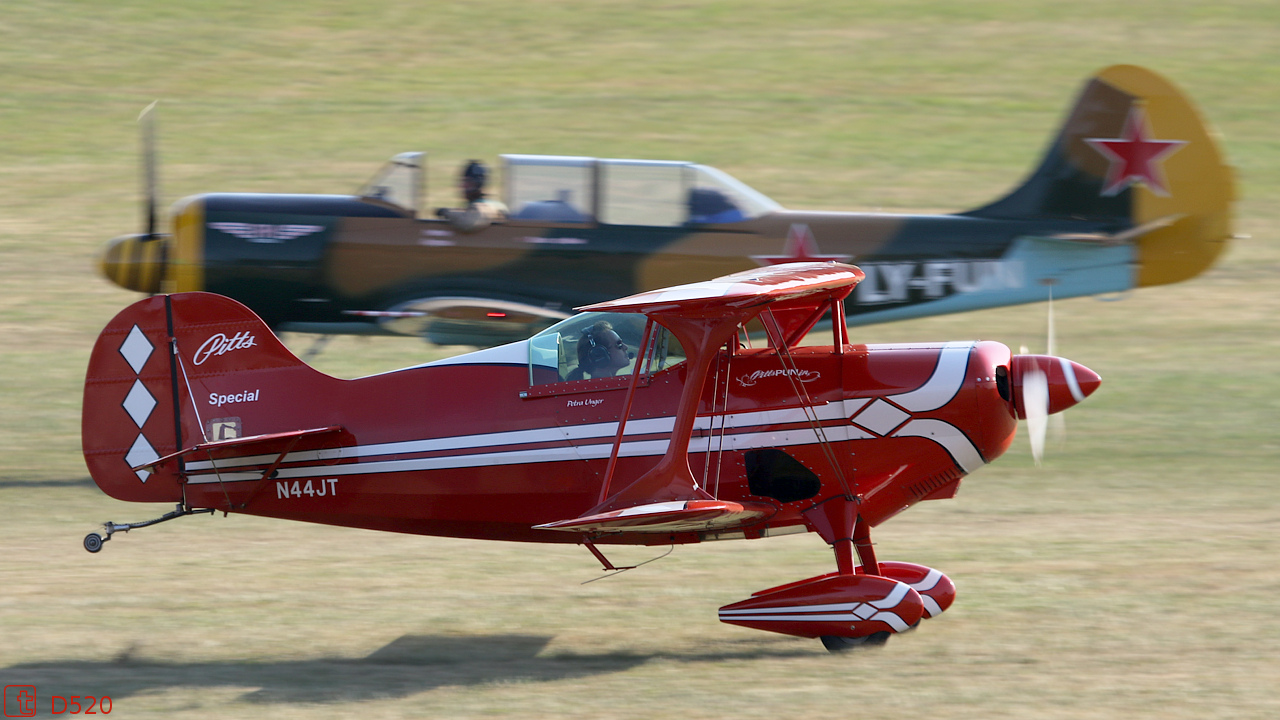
1132, 576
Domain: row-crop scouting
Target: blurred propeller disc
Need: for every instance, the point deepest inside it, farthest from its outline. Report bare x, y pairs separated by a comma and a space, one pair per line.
150, 190
1057, 422
1035, 401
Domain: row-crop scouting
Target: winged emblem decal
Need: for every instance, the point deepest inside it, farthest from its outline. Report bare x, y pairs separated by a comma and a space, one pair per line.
260, 233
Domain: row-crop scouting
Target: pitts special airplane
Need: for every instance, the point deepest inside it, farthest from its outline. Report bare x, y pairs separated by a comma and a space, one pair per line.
1133, 192
648, 420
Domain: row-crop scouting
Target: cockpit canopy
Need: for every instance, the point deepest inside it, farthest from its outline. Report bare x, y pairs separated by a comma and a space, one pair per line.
565, 189
567, 350
655, 193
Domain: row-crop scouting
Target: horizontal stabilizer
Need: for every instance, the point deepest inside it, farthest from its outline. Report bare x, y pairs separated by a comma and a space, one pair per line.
1118, 238
667, 517
273, 444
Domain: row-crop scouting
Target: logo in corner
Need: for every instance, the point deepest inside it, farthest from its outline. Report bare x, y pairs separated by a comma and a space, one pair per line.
22, 700
220, 344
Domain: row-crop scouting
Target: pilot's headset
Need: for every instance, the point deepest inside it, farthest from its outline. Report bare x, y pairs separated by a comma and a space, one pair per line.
474, 176
598, 354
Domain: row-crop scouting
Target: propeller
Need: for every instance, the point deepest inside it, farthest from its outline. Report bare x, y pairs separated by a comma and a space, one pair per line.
1044, 386
1035, 401
137, 261
150, 189
1057, 423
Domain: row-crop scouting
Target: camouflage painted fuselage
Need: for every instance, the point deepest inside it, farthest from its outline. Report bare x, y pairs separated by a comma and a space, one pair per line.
1132, 192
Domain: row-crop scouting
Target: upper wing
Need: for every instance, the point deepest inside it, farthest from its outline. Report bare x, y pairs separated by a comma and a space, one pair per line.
704, 316
809, 283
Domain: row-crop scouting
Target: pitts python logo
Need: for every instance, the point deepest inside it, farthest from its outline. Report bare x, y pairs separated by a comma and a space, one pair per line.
803, 376
220, 344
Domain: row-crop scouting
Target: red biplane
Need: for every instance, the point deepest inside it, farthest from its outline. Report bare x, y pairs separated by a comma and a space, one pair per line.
649, 420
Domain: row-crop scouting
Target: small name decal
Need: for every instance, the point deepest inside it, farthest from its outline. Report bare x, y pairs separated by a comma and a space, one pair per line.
589, 402
217, 400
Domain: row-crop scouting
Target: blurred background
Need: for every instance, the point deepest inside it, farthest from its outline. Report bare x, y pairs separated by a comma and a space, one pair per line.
1128, 575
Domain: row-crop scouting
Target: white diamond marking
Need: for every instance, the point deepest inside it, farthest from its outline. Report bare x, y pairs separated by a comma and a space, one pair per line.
139, 403
136, 349
880, 417
140, 454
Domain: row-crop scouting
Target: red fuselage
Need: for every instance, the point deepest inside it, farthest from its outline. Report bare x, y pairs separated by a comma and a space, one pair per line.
469, 449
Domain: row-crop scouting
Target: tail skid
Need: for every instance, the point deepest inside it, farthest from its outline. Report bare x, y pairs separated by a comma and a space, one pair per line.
93, 541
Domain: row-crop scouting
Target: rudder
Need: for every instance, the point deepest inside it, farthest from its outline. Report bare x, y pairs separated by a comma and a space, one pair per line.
1134, 151
159, 375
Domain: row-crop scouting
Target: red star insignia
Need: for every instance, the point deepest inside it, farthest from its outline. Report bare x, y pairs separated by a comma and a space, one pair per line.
1135, 156
799, 247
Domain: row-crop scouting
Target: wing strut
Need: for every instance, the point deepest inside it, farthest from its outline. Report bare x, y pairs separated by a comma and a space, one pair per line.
704, 317
641, 359
791, 370
668, 498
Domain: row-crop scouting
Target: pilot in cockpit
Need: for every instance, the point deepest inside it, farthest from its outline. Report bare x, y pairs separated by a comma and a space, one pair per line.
708, 206
480, 211
601, 353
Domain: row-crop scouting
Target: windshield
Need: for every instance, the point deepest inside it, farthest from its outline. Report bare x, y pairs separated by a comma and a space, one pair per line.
598, 345
749, 201
399, 182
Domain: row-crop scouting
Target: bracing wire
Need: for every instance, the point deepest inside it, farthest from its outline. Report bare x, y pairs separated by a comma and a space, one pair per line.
724, 421
195, 408
810, 414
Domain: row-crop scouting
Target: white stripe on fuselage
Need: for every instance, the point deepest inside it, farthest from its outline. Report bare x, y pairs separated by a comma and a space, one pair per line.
647, 426
946, 381
943, 384
838, 411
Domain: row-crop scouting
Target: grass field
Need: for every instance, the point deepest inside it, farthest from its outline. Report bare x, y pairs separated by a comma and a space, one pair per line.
1130, 576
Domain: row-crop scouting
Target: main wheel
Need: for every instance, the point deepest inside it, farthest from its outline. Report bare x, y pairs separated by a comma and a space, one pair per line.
838, 644
93, 542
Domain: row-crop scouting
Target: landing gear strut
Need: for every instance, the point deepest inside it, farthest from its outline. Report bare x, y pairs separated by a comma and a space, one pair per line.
93, 541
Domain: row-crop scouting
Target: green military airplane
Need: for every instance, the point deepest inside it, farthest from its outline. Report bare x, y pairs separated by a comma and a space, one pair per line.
1132, 192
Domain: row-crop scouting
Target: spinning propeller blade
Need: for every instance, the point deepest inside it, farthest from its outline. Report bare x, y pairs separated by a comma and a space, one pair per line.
1035, 389
1057, 423
1035, 399
1045, 385
150, 190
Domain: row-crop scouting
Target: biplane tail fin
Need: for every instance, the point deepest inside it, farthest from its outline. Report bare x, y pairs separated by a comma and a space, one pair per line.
173, 372
1134, 151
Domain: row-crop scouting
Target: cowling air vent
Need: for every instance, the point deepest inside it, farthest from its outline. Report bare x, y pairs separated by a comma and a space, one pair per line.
773, 473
